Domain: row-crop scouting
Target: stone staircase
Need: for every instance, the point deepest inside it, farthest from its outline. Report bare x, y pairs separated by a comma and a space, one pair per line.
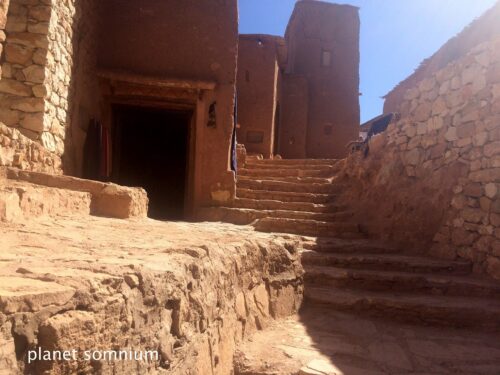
344, 270
288, 196
380, 280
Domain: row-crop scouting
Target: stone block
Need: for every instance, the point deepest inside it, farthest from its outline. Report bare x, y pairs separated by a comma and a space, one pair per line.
17, 54
9, 86
34, 73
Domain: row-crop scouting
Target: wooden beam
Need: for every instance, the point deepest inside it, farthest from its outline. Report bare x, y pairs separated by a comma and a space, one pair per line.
120, 76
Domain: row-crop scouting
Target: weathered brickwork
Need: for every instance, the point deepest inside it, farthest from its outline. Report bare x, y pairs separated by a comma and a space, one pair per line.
434, 176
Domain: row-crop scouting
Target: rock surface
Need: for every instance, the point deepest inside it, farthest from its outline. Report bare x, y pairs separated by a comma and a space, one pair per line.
88, 283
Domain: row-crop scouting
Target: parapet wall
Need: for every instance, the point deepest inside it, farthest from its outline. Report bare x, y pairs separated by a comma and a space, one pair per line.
432, 179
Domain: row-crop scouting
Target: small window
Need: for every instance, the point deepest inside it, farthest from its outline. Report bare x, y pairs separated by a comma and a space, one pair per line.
328, 129
255, 137
326, 58
247, 76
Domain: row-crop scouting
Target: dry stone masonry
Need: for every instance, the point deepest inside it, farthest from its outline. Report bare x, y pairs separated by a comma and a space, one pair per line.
439, 165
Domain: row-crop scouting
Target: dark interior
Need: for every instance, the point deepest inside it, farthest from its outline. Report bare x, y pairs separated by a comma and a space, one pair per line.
151, 151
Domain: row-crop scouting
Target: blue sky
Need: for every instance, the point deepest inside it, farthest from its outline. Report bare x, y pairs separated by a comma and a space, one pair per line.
396, 35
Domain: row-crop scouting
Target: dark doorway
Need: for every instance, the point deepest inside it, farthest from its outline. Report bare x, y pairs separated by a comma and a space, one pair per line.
151, 151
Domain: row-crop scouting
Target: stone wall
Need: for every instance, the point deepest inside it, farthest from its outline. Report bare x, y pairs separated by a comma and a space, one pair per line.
432, 179
58, 74
17, 150
37, 70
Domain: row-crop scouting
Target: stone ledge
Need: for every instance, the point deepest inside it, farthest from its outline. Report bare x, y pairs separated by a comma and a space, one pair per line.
103, 284
107, 199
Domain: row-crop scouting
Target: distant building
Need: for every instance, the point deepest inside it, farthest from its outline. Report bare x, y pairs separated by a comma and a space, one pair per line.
299, 96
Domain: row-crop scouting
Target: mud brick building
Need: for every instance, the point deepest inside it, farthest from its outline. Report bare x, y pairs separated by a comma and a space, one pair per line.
88, 86
299, 96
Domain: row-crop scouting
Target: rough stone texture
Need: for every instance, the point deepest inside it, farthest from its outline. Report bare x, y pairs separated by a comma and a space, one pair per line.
26, 44
89, 283
16, 150
432, 177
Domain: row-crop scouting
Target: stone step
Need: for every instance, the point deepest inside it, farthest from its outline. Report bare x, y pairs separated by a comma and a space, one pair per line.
294, 187
338, 245
379, 281
386, 262
285, 196
298, 180
267, 204
109, 200
287, 172
294, 162
243, 216
308, 227
313, 167
435, 310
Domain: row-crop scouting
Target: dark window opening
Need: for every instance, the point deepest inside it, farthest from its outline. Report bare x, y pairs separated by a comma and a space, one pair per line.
212, 115
247, 76
151, 151
255, 137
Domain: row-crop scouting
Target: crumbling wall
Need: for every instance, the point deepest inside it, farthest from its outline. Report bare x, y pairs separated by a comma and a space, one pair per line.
432, 179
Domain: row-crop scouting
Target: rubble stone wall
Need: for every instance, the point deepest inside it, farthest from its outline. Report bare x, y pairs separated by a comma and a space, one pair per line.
432, 180
36, 86
58, 74
17, 150
22, 88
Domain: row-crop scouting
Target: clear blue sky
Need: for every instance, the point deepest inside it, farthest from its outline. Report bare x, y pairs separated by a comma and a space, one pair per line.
396, 35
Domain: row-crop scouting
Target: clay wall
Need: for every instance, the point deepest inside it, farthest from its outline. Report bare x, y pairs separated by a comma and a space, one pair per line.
52, 87
196, 42
294, 114
323, 44
432, 180
257, 92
